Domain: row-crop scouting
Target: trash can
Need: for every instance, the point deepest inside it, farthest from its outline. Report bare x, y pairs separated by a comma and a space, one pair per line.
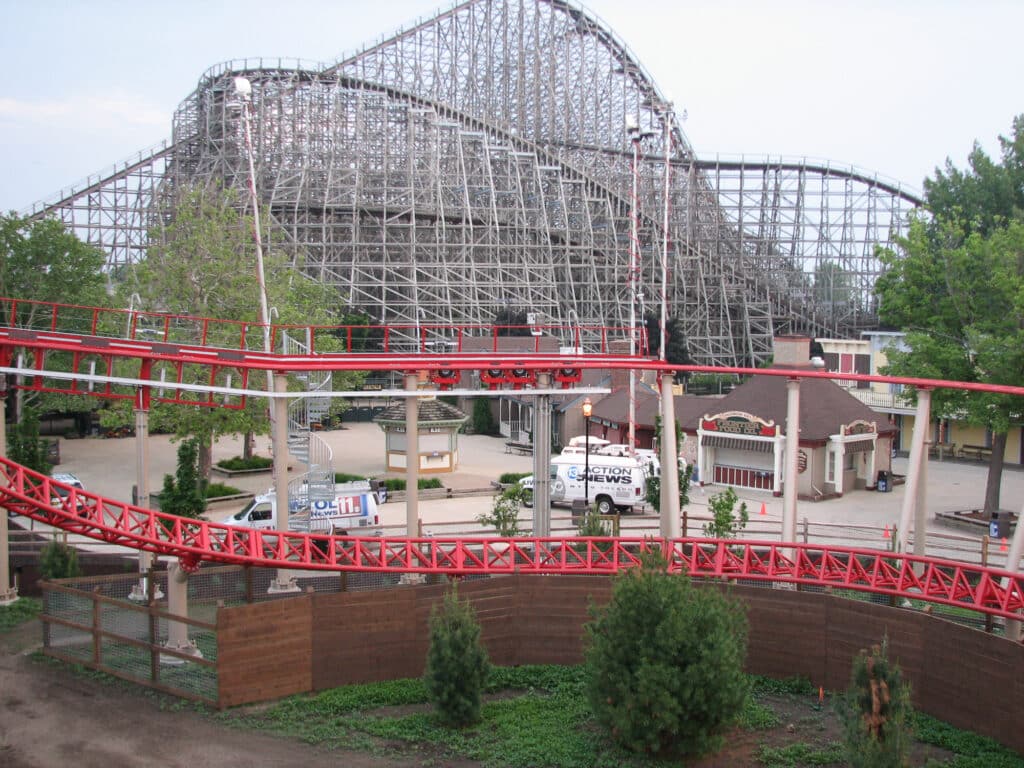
884, 483
999, 526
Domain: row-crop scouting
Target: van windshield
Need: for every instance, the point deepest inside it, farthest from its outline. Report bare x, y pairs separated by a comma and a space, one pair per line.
244, 514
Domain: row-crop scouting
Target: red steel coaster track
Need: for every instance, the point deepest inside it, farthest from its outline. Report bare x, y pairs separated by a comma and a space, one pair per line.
68, 343
948, 582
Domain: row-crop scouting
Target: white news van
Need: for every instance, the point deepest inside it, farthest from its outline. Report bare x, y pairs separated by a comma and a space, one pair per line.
615, 482
353, 510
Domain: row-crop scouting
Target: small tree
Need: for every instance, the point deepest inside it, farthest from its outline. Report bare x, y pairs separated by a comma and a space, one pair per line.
504, 514
876, 712
457, 665
185, 493
59, 561
664, 662
726, 522
653, 487
24, 445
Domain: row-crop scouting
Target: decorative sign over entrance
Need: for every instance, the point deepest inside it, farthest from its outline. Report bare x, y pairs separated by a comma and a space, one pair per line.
739, 423
859, 427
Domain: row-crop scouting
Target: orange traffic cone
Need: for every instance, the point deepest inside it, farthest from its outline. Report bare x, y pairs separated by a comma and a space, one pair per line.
1002, 545
885, 532
764, 510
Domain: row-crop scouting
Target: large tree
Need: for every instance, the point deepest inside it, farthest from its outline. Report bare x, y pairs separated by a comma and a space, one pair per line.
202, 262
955, 285
42, 261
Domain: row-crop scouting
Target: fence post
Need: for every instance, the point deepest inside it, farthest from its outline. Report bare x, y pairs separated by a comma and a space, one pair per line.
248, 585
97, 625
984, 564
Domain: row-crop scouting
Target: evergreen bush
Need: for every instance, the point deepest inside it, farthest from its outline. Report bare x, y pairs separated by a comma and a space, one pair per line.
876, 712
457, 664
24, 445
184, 493
664, 662
59, 561
483, 419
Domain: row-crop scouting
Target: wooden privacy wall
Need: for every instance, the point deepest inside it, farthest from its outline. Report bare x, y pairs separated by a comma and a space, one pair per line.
318, 641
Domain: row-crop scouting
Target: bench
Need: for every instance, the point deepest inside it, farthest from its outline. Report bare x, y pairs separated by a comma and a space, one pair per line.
979, 452
942, 450
522, 449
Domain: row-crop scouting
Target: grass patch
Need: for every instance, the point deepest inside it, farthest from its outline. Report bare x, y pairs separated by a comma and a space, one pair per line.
800, 755
22, 610
537, 717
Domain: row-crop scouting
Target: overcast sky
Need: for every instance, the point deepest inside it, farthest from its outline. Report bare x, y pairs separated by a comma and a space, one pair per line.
890, 86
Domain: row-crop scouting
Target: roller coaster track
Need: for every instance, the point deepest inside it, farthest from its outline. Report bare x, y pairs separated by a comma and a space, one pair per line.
946, 582
41, 329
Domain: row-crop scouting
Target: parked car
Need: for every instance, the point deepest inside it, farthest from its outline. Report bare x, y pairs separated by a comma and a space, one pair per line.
61, 494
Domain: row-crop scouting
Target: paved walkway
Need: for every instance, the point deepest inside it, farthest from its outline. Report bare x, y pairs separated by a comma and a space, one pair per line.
107, 467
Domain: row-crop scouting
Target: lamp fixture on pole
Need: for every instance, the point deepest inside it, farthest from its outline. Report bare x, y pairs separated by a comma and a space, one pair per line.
588, 408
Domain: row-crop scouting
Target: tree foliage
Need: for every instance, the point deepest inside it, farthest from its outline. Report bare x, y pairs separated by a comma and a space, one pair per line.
24, 445
664, 662
184, 493
483, 419
955, 285
41, 261
59, 561
203, 263
676, 351
457, 664
504, 514
726, 521
876, 712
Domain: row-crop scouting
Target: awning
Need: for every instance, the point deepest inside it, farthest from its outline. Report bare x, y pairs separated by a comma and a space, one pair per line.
737, 443
859, 446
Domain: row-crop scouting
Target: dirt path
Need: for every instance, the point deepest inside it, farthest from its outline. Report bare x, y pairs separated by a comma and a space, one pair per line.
50, 716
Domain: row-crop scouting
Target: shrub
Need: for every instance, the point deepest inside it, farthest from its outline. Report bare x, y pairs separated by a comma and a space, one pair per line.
508, 478
457, 664
398, 483
504, 514
59, 561
236, 463
725, 521
876, 712
213, 490
664, 662
346, 477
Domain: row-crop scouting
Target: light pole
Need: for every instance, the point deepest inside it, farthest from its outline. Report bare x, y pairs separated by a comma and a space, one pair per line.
278, 431
588, 408
636, 135
243, 89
